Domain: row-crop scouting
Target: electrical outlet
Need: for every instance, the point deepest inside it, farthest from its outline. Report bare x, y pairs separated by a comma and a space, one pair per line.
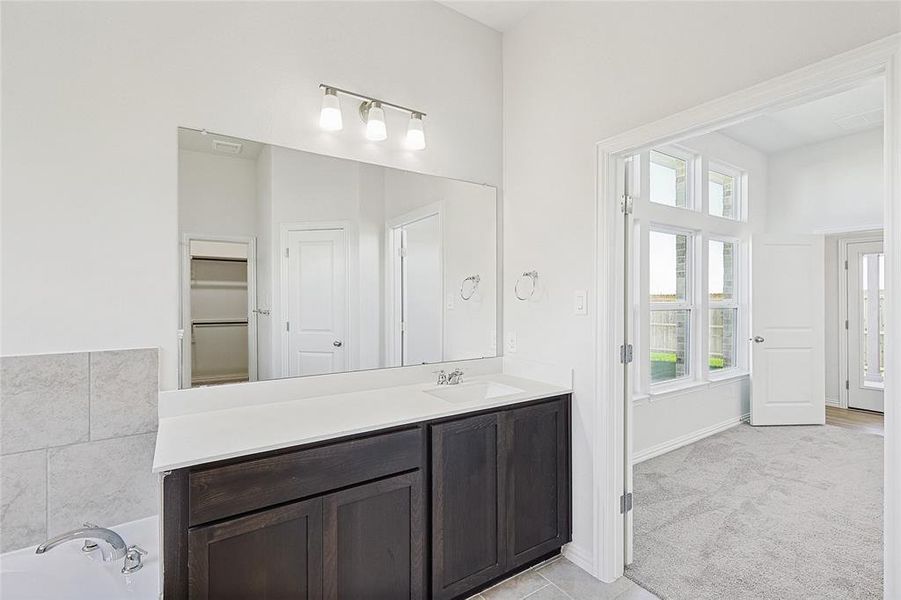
511, 341
580, 302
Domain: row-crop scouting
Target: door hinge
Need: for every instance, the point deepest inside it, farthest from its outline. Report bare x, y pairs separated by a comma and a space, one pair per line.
847, 384
625, 205
625, 503
402, 252
287, 325
287, 251
846, 323
846, 265
625, 354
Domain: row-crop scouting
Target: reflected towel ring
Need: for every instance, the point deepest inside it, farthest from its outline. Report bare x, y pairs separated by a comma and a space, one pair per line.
475, 279
533, 278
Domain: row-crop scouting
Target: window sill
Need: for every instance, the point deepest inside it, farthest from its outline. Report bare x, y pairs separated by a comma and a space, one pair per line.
675, 388
678, 388
727, 375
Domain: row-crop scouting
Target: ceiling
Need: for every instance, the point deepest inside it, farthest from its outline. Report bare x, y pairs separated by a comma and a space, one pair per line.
198, 141
851, 111
498, 15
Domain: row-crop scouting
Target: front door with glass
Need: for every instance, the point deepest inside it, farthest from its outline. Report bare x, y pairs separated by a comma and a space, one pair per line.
866, 326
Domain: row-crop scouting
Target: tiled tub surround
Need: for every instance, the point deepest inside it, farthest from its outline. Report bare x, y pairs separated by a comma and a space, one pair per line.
77, 433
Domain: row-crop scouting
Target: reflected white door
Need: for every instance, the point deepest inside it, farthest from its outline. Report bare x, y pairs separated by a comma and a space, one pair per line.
316, 322
422, 291
866, 325
788, 330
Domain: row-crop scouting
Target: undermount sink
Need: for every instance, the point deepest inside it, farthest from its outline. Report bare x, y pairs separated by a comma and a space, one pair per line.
473, 392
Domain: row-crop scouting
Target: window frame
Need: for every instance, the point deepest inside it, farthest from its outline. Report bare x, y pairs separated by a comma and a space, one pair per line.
733, 303
738, 175
689, 304
692, 160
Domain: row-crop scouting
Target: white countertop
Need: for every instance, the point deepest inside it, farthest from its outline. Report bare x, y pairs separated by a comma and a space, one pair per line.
190, 439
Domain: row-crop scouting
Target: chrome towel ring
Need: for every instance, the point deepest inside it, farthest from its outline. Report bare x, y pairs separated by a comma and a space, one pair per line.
533, 280
475, 279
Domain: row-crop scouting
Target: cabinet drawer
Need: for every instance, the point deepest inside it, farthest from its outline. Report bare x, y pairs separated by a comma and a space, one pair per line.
220, 492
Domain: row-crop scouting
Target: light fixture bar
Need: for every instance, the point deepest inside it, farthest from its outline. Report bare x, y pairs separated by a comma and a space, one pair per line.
371, 99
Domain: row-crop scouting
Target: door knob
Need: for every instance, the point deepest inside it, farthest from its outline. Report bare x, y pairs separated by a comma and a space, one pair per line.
757, 339
337, 343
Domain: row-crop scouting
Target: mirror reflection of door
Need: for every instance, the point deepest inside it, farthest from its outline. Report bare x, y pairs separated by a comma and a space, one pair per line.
418, 287
316, 308
866, 326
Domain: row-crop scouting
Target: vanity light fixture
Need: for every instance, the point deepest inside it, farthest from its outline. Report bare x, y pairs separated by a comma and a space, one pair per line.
372, 111
330, 115
415, 133
376, 130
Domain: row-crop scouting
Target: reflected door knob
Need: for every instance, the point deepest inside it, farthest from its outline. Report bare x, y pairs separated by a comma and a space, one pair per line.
337, 343
757, 339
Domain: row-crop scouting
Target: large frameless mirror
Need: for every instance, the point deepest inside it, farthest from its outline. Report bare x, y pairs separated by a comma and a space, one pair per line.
296, 264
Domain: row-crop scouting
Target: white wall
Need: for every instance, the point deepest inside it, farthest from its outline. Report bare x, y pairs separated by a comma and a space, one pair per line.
217, 194
89, 144
576, 73
828, 187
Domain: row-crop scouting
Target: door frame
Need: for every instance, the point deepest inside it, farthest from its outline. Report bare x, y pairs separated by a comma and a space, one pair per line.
844, 370
184, 303
350, 275
610, 455
394, 300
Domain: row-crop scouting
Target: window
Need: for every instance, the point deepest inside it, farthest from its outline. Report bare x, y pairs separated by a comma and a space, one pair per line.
722, 304
722, 193
669, 179
670, 303
872, 285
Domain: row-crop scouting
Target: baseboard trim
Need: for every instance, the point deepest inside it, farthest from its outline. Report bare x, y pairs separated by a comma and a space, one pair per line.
690, 438
833, 402
580, 558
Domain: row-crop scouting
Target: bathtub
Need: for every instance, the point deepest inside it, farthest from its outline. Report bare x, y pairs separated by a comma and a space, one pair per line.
66, 573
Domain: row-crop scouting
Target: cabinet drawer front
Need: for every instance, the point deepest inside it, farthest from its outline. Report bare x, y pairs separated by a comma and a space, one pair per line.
221, 492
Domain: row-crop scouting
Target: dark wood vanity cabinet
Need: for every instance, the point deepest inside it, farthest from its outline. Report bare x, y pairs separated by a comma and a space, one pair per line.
500, 493
275, 553
433, 510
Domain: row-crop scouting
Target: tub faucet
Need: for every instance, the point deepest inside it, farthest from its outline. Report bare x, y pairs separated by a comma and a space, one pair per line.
88, 531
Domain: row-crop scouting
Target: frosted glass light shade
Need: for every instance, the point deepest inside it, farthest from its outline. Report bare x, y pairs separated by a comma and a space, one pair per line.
376, 130
415, 133
330, 115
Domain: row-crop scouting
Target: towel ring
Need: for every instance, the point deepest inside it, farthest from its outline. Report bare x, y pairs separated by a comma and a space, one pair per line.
475, 279
533, 278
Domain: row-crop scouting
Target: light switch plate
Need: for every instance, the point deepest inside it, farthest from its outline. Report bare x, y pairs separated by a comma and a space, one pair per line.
580, 302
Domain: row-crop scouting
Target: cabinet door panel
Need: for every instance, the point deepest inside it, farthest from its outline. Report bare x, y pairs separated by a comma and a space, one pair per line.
272, 555
537, 481
467, 504
373, 540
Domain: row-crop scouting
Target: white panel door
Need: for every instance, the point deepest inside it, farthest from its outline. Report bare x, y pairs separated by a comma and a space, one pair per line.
788, 330
866, 326
316, 322
423, 292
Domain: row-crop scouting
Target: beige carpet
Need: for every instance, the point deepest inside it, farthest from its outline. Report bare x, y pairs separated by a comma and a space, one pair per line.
762, 513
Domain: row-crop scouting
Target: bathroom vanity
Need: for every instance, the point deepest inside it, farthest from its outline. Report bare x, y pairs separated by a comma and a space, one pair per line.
345, 468
466, 492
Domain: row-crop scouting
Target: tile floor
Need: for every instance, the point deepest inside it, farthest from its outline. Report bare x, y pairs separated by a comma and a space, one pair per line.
559, 579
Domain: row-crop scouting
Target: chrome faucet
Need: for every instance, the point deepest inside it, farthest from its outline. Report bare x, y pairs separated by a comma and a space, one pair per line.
456, 377
442, 377
89, 531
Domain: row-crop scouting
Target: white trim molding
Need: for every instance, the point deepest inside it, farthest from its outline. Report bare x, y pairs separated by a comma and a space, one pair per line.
688, 438
610, 455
